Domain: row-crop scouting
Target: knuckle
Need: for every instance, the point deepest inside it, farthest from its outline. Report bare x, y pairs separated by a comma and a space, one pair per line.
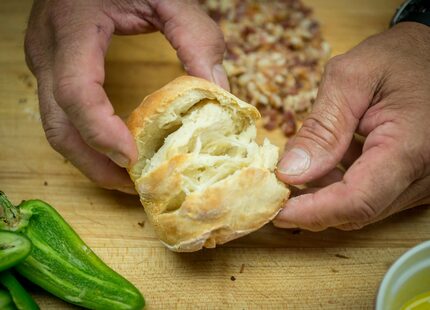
217, 43
93, 137
216, 38
29, 42
65, 93
339, 67
315, 223
61, 89
348, 69
56, 134
36, 52
321, 130
363, 209
334, 66
29, 51
58, 129
77, 103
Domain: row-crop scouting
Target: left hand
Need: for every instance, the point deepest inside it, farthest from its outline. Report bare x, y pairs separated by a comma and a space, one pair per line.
381, 90
65, 46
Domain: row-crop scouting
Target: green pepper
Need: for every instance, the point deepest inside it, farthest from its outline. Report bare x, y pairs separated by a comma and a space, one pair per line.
22, 299
61, 263
13, 249
6, 302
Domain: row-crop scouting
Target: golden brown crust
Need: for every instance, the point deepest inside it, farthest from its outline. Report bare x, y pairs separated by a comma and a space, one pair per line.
242, 200
234, 207
157, 102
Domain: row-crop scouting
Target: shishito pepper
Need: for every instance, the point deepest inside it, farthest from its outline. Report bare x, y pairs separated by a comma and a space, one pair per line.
14, 248
61, 263
6, 302
20, 297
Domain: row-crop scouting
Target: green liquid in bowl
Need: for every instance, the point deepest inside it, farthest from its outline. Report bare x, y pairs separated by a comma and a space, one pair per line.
421, 302
407, 283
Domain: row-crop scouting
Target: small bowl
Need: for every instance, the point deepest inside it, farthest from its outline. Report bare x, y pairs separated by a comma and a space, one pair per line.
407, 278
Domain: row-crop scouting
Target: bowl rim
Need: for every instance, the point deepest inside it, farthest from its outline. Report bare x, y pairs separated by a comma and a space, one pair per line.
393, 268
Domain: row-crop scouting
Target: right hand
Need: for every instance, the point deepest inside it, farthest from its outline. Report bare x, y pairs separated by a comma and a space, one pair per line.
65, 45
380, 90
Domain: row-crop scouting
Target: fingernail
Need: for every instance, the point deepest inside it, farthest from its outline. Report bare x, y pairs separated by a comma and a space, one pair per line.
220, 76
295, 162
282, 224
119, 159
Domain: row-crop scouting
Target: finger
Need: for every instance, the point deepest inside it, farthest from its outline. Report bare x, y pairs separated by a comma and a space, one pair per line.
326, 134
335, 175
331, 177
65, 139
353, 152
415, 195
78, 76
297, 192
283, 224
371, 184
196, 37
38, 40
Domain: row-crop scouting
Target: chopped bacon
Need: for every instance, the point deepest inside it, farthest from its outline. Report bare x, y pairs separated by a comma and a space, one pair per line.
274, 58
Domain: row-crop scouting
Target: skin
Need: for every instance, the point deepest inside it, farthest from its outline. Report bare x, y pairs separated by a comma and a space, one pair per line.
381, 91
378, 91
65, 45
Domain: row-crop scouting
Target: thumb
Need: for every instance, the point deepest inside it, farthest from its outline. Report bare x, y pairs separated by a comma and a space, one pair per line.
197, 39
343, 97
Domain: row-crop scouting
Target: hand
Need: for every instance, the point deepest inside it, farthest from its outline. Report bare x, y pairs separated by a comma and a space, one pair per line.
65, 45
381, 90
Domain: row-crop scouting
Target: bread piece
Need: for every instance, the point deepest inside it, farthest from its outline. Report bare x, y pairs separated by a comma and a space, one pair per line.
201, 177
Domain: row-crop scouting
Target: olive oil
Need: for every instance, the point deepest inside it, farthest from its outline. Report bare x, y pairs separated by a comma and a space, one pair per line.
420, 302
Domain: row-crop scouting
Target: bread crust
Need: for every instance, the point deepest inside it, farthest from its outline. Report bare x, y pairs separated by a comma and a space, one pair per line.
157, 103
232, 207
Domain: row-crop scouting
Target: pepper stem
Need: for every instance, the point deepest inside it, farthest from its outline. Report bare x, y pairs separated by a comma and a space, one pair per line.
9, 214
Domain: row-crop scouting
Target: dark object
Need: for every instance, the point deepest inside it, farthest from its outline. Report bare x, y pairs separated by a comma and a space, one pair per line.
296, 231
233, 278
20, 297
341, 256
242, 268
14, 248
61, 263
413, 11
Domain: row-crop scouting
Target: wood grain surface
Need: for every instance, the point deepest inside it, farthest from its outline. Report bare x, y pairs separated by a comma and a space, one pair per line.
269, 269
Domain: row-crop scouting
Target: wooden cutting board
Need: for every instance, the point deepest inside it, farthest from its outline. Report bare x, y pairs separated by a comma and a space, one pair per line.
269, 269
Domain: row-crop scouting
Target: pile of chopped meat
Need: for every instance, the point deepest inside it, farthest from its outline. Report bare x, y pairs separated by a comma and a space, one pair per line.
275, 56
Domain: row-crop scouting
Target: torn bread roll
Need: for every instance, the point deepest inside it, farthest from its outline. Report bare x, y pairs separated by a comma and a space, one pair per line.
201, 177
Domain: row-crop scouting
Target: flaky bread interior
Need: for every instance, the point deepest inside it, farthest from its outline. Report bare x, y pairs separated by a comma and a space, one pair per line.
201, 177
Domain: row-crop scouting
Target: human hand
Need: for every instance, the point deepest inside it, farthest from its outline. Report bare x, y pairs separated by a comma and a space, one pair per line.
65, 45
381, 90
